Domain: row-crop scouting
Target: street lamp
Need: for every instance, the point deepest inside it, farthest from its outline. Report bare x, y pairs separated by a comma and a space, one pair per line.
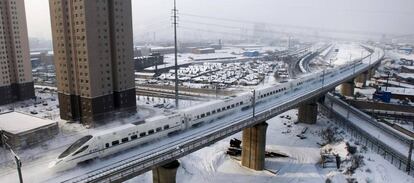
17, 160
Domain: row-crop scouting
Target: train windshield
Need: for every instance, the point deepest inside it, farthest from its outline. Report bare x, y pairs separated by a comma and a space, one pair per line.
75, 146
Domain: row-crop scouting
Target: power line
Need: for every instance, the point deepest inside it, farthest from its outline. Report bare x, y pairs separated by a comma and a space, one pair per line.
265, 36
307, 28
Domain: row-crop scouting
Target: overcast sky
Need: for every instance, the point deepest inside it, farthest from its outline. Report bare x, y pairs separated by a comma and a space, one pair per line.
388, 16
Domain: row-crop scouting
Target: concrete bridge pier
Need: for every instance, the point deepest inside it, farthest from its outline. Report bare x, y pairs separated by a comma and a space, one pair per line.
253, 146
362, 78
166, 173
347, 88
371, 73
308, 113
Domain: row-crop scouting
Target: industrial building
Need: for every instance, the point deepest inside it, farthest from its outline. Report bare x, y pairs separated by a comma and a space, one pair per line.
93, 50
23, 130
148, 61
16, 82
204, 50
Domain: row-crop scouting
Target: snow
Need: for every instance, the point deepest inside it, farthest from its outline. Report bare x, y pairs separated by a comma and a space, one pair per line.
15, 122
401, 91
395, 83
406, 75
348, 52
211, 164
397, 55
388, 139
409, 67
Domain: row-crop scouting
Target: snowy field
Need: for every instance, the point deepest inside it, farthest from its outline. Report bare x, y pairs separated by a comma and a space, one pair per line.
211, 164
347, 52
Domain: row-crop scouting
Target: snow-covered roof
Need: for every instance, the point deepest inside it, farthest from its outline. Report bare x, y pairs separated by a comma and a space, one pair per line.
409, 67
16, 122
406, 75
144, 74
401, 91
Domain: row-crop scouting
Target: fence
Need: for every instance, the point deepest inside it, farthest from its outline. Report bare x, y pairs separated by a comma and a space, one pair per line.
388, 153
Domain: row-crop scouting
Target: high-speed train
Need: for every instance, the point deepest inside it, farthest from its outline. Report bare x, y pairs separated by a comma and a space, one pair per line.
131, 135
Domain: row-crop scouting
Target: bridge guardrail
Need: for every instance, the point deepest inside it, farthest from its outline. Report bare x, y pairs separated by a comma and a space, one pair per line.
140, 165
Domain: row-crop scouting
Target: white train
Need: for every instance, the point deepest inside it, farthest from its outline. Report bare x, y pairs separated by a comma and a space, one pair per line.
131, 135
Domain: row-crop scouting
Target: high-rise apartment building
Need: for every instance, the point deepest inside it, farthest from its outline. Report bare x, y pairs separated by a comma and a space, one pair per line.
16, 82
93, 52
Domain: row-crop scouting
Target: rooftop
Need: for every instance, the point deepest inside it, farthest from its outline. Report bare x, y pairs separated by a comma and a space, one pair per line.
16, 122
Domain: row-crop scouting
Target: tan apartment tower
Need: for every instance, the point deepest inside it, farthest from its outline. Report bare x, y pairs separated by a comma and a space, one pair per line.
16, 82
93, 52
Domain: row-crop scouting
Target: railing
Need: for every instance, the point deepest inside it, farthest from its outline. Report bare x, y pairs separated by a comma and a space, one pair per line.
401, 137
134, 166
390, 154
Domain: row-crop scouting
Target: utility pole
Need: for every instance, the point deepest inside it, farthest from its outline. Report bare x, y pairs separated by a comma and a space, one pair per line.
410, 152
254, 103
370, 61
388, 78
323, 77
175, 53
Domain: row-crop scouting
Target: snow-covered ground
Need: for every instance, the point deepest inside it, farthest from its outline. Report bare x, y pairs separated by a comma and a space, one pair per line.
347, 52
211, 164
70, 132
397, 55
300, 167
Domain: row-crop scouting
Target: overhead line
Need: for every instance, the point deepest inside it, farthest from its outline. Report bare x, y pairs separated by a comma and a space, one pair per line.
289, 26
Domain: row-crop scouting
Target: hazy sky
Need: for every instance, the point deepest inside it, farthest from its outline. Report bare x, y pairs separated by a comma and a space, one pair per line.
388, 16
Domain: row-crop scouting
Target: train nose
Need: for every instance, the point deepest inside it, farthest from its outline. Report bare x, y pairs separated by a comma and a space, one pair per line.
52, 164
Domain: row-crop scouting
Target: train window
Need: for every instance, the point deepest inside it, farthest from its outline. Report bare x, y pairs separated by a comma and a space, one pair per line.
107, 145
208, 113
228, 107
218, 110
124, 140
166, 127
241, 103
75, 146
114, 143
198, 117
203, 115
158, 129
142, 134
223, 108
150, 132
237, 104
232, 105
213, 112
133, 137
81, 150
